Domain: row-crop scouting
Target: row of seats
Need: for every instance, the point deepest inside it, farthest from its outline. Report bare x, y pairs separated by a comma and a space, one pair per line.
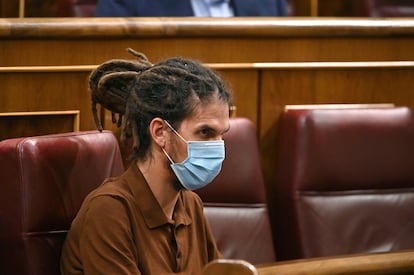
345, 184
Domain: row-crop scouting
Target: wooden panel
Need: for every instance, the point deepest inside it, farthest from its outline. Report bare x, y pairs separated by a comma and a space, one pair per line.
244, 84
338, 106
9, 8
25, 124
326, 85
336, 7
65, 87
16, 52
299, 7
80, 41
40, 8
30, 91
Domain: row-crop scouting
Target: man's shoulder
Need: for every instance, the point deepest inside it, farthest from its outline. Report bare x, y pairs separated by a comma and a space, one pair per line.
190, 197
115, 187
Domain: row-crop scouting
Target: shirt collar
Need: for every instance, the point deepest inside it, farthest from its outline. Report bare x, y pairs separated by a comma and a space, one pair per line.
148, 205
217, 2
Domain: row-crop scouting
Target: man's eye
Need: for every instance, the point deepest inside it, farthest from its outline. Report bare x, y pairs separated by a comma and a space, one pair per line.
205, 132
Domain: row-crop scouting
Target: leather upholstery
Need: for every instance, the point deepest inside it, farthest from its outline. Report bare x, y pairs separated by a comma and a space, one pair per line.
76, 8
235, 202
345, 182
44, 180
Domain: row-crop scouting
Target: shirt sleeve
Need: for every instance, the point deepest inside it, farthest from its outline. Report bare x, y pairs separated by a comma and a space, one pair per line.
106, 242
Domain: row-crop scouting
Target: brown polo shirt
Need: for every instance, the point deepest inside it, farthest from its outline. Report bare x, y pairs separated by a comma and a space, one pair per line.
122, 229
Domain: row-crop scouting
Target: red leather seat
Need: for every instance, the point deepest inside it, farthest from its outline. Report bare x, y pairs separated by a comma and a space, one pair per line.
76, 8
345, 181
44, 180
235, 202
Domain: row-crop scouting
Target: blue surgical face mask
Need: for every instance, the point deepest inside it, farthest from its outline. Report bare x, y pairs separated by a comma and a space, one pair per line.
202, 164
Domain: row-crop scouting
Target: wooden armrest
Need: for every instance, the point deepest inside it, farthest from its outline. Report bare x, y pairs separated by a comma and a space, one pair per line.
229, 267
401, 262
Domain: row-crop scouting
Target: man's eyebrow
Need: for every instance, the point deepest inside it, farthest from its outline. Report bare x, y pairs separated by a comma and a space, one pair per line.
208, 127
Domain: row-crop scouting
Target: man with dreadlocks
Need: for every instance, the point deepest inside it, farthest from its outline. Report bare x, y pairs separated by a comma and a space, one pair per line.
148, 221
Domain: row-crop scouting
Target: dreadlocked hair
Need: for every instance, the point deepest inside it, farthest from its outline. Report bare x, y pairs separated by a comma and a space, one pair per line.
111, 82
170, 90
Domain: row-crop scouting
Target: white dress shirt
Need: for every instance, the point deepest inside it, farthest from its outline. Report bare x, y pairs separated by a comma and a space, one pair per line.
212, 8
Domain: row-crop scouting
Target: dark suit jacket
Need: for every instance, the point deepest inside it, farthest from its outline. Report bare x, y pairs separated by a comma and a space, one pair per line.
155, 8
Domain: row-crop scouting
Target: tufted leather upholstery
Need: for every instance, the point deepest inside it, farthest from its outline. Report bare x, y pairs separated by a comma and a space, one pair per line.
345, 182
235, 202
44, 180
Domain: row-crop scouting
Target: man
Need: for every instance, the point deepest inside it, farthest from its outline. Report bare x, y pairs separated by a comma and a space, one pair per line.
148, 221
204, 8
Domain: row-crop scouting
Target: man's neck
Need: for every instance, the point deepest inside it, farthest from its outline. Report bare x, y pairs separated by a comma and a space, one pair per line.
161, 182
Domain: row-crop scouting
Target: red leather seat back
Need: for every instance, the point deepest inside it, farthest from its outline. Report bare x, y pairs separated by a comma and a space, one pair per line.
76, 8
345, 182
235, 202
44, 180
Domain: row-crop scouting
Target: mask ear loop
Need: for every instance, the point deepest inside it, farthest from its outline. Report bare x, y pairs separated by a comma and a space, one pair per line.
168, 157
175, 131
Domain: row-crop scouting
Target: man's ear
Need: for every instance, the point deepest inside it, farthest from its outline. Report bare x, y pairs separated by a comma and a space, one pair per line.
157, 131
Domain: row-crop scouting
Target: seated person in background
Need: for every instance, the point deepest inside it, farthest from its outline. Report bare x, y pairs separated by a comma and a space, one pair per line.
148, 221
200, 8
